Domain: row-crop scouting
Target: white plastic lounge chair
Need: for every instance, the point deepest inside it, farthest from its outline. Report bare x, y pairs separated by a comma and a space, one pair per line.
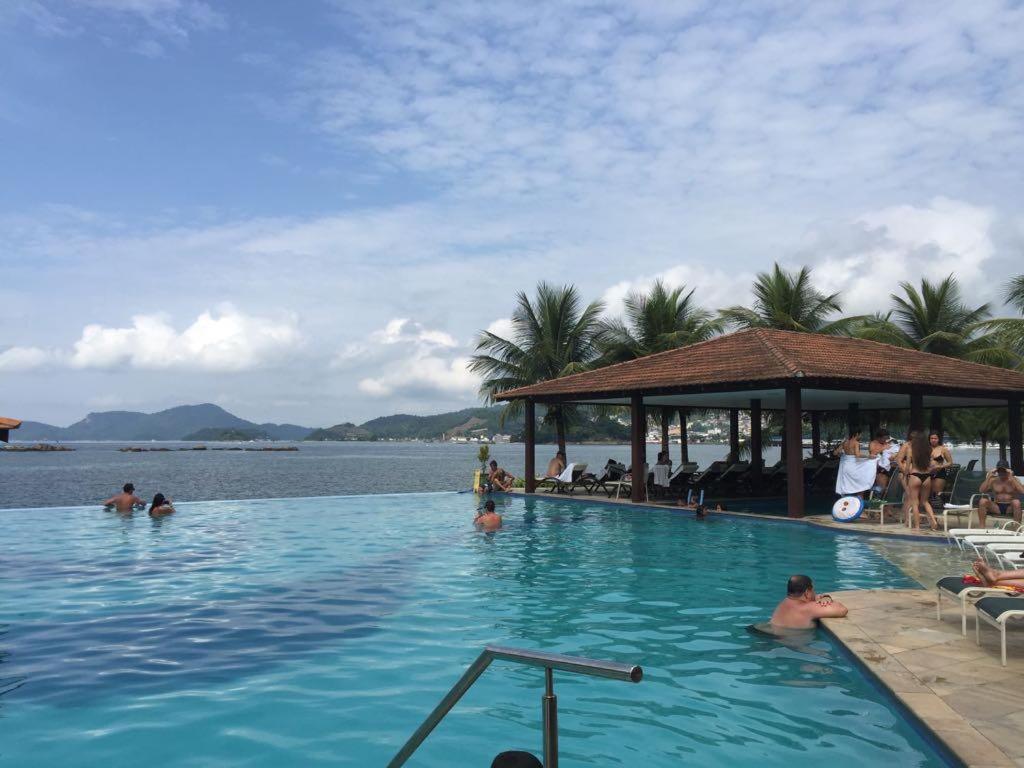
1009, 556
954, 535
627, 485
978, 543
997, 611
953, 588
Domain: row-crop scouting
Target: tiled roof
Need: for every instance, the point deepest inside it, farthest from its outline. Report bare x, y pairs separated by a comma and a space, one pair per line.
767, 355
9, 423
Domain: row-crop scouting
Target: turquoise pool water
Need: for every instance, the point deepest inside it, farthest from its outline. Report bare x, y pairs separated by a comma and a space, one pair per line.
321, 631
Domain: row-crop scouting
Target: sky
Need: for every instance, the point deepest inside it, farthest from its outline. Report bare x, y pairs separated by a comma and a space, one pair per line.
306, 212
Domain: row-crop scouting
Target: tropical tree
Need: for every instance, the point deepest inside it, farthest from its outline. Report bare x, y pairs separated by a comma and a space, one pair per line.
982, 424
936, 319
552, 335
1009, 331
789, 301
656, 321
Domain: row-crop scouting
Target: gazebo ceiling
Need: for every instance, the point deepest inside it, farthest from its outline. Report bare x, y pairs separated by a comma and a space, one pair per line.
832, 372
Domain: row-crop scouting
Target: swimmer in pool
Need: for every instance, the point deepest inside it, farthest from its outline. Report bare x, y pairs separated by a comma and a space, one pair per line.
161, 506
125, 501
801, 608
487, 519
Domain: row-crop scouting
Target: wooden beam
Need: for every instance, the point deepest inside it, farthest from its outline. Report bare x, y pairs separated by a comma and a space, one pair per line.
666, 419
917, 411
529, 437
684, 448
1014, 429
734, 434
756, 459
638, 445
852, 418
936, 421
815, 435
794, 452
874, 423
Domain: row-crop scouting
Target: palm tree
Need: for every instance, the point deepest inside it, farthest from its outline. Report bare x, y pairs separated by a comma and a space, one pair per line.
552, 336
659, 320
1015, 293
983, 424
936, 319
789, 301
1009, 331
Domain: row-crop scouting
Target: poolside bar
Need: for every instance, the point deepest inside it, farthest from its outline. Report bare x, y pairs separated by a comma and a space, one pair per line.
796, 373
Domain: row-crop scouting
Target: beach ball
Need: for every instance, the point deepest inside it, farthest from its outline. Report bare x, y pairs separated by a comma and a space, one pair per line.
847, 509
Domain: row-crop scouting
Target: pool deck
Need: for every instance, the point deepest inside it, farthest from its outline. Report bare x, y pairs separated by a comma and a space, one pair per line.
957, 689
892, 529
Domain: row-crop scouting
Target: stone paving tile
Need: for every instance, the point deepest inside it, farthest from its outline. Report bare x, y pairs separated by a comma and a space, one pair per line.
958, 689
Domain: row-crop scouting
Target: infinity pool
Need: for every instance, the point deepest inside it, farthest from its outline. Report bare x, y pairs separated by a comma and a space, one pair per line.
309, 632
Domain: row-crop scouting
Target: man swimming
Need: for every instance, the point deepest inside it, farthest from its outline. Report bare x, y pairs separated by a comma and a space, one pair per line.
125, 501
488, 519
1007, 491
802, 608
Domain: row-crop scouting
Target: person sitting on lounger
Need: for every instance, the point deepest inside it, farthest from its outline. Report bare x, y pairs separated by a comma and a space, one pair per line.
1007, 491
801, 608
125, 501
556, 466
487, 519
990, 577
499, 479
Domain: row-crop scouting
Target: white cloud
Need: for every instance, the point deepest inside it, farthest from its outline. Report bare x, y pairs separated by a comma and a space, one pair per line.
15, 359
227, 340
713, 288
502, 327
866, 259
402, 330
423, 372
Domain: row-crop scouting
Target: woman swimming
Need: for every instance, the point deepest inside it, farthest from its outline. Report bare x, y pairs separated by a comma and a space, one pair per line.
161, 506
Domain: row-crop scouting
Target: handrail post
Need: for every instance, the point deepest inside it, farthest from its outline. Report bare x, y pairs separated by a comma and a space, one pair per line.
549, 711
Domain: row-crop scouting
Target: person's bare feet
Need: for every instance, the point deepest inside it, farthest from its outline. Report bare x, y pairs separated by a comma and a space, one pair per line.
985, 573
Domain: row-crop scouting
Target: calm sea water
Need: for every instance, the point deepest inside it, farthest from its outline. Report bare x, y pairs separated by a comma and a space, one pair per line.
95, 471
308, 632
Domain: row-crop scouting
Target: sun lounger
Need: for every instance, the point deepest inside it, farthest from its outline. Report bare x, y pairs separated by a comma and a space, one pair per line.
964, 496
709, 475
627, 485
732, 473
978, 543
613, 472
563, 479
577, 479
997, 611
953, 588
1009, 555
953, 535
891, 497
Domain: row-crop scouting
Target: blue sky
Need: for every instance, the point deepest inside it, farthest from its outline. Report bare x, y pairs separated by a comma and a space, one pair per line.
305, 212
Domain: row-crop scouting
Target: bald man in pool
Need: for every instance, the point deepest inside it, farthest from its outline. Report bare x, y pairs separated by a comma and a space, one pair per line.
802, 608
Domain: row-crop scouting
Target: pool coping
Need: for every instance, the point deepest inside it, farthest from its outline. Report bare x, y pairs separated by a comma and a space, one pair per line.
928, 691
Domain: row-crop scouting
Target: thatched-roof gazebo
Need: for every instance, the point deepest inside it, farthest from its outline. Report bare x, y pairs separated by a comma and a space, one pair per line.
794, 372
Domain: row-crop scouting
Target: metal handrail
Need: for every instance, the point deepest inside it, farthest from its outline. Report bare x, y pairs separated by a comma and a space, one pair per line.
612, 670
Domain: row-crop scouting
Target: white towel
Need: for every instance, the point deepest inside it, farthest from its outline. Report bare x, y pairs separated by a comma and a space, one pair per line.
661, 474
885, 457
855, 475
566, 476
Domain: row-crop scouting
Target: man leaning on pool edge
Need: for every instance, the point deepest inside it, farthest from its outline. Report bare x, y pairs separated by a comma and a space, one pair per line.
801, 608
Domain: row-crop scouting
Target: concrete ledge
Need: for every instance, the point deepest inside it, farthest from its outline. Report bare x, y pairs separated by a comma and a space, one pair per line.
958, 690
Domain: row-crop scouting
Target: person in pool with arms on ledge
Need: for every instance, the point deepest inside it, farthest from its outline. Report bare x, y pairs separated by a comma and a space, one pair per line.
125, 501
801, 608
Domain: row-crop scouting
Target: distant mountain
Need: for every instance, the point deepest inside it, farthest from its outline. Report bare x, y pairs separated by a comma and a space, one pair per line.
172, 424
227, 435
468, 421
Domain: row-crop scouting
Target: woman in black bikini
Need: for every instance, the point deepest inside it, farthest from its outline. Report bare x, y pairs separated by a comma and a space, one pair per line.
942, 458
917, 468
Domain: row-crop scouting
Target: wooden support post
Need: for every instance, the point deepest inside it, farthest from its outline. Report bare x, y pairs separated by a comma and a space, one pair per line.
666, 419
794, 452
917, 412
684, 448
815, 434
1014, 428
5, 435
852, 418
874, 423
734, 434
529, 437
638, 440
756, 459
936, 422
